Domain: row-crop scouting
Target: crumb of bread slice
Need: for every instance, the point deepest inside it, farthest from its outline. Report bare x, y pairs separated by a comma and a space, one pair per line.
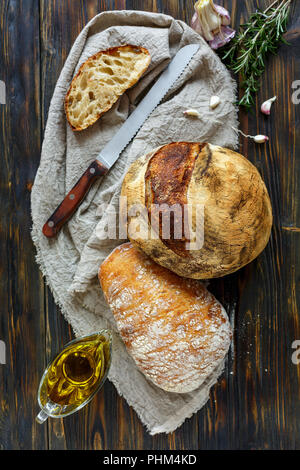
101, 80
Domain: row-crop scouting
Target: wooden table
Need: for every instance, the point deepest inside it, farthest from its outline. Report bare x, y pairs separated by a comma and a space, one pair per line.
256, 404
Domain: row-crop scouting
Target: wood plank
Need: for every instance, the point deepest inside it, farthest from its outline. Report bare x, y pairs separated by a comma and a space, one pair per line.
60, 23
22, 324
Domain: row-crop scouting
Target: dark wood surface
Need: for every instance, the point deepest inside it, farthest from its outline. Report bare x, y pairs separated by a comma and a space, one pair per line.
256, 404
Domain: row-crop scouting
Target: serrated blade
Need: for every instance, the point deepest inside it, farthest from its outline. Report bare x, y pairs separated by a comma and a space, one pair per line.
129, 129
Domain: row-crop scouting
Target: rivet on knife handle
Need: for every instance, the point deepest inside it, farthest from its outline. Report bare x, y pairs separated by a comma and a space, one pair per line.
73, 199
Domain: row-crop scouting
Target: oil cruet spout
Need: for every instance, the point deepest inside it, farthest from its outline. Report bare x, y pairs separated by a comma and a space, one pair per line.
41, 417
47, 411
75, 375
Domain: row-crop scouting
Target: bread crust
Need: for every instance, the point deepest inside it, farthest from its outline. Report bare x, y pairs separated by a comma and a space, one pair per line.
109, 52
237, 208
167, 178
175, 330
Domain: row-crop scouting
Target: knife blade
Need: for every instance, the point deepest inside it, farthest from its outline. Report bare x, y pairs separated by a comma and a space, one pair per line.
111, 152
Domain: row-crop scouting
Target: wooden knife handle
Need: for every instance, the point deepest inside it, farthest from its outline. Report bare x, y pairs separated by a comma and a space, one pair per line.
73, 199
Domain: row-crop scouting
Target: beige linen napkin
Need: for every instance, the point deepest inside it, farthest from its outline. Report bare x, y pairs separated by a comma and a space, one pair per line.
71, 261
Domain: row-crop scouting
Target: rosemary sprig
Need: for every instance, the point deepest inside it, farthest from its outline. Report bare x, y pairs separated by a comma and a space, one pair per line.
246, 53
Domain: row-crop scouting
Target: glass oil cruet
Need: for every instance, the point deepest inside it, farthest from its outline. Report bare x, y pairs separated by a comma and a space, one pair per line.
74, 376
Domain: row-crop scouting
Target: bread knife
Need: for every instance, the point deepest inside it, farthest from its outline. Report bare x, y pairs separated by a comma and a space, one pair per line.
111, 152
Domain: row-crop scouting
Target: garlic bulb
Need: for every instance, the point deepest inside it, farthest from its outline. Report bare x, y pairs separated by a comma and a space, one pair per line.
211, 21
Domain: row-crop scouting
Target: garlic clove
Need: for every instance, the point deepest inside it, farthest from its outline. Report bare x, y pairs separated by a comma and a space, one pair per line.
196, 25
214, 102
222, 37
225, 17
266, 106
260, 139
191, 112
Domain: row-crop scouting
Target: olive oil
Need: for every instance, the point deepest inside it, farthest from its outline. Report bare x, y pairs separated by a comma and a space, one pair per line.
75, 375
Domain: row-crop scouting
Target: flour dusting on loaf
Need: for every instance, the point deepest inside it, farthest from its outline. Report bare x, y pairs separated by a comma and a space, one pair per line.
175, 330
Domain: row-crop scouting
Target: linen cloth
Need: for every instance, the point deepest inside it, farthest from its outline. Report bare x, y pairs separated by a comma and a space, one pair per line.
70, 262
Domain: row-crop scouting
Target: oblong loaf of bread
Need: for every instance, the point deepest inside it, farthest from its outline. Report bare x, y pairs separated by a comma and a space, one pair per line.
175, 330
101, 80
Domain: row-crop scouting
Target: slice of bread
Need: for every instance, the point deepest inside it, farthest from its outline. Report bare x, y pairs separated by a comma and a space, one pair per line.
101, 80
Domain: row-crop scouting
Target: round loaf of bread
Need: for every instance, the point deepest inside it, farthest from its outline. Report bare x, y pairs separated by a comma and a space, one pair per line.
200, 210
175, 330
